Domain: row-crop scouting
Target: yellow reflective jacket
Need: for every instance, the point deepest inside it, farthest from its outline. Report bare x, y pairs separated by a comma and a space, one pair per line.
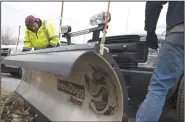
46, 35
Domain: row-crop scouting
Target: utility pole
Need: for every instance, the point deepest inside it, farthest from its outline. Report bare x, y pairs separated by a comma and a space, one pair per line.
18, 37
61, 17
127, 19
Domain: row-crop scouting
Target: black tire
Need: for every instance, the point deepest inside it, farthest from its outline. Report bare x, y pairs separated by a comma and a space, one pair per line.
180, 102
14, 74
20, 72
17, 74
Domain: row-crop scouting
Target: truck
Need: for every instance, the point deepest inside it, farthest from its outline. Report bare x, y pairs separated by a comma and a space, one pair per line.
76, 83
7, 50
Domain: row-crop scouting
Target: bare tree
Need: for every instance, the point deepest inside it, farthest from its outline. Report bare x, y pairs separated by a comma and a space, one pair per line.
6, 38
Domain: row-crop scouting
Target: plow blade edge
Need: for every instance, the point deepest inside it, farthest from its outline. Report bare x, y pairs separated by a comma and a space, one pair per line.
72, 83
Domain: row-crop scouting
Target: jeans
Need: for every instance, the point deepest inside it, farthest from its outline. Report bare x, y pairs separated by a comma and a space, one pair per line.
169, 68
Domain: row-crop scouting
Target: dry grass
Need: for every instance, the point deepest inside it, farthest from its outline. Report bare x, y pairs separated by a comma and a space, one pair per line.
12, 110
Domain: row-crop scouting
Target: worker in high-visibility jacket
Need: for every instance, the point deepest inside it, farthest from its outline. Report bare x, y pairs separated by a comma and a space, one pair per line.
39, 34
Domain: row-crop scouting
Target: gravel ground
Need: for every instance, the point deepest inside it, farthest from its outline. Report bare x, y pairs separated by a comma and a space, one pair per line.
9, 82
12, 108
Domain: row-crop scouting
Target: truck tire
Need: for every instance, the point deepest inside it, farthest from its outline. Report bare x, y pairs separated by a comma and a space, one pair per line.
17, 74
14, 74
20, 72
180, 102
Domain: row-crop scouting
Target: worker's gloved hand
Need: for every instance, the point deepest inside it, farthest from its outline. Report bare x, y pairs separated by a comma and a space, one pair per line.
24, 50
152, 40
51, 46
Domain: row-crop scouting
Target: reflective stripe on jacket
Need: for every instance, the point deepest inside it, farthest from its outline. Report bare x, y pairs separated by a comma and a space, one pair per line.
46, 35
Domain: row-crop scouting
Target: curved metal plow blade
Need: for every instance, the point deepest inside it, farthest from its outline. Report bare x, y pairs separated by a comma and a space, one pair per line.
92, 91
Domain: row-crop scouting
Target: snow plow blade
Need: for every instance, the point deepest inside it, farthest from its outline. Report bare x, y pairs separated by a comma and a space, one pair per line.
70, 83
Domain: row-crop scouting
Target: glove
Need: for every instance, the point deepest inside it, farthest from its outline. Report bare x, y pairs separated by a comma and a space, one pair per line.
24, 50
51, 46
152, 40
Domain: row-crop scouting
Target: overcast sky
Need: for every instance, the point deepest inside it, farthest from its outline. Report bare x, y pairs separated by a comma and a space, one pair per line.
77, 15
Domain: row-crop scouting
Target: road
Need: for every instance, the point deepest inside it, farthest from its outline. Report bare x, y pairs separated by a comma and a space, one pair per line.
9, 82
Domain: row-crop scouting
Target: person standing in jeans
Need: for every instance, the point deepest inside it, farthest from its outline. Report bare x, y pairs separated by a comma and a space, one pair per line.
170, 62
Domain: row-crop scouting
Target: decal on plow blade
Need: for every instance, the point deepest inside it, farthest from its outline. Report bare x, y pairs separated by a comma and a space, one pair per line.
76, 84
77, 91
72, 89
98, 85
